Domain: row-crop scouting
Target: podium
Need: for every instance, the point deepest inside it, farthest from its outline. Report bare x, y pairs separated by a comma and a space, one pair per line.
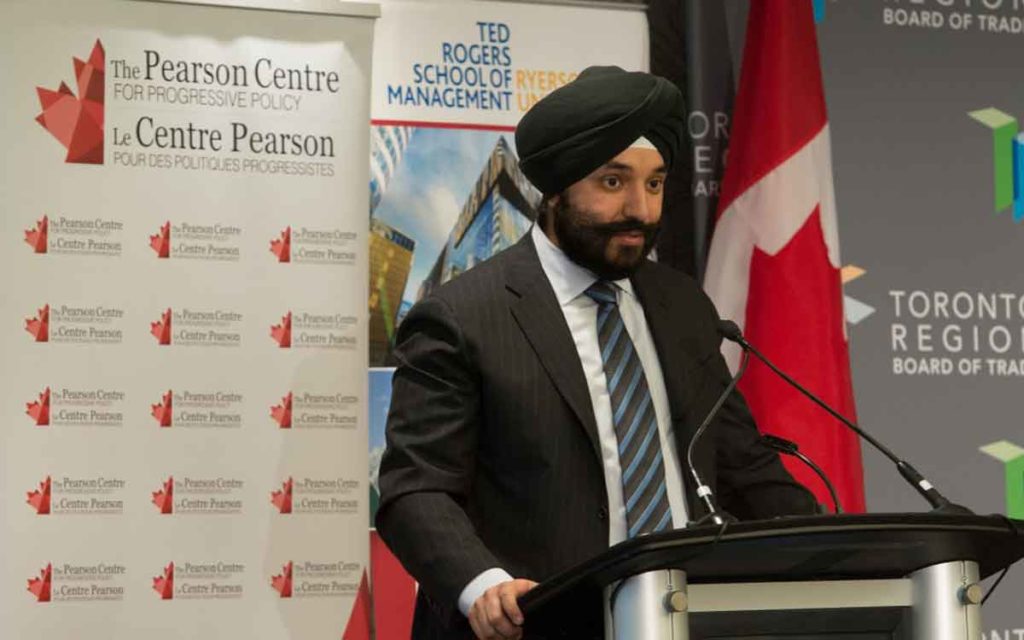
893, 576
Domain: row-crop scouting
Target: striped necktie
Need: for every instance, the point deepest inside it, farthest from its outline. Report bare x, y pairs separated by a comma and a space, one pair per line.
636, 426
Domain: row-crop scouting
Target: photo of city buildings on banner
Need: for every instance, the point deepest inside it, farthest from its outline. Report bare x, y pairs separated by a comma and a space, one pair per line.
430, 220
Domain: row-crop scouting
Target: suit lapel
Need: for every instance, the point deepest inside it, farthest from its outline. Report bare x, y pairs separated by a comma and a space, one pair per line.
535, 309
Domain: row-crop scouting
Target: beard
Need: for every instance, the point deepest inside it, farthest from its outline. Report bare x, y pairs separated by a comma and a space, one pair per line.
588, 243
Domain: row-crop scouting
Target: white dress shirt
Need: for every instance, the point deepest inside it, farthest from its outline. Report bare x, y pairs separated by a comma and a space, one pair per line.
569, 281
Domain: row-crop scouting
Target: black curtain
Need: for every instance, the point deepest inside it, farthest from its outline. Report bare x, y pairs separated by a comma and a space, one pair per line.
690, 45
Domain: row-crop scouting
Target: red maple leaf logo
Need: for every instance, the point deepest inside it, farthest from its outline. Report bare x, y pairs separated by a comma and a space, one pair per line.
77, 121
162, 412
37, 238
161, 242
39, 411
283, 583
282, 333
164, 499
40, 587
164, 585
282, 413
40, 500
39, 326
283, 248
161, 329
283, 499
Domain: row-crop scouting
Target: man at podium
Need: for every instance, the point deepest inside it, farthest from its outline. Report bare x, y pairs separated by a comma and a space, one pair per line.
544, 400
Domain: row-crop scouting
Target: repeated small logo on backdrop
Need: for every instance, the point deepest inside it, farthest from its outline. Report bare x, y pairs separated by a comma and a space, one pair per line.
161, 329
956, 331
161, 242
66, 407
198, 328
64, 235
190, 408
282, 413
42, 586
163, 499
316, 496
854, 310
310, 579
282, 583
989, 18
76, 121
214, 242
186, 495
1007, 160
819, 10
282, 247
164, 584
39, 410
40, 498
56, 583
163, 411
283, 499
39, 326
315, 246
38, 238
308, 410
1012, 457
282, 333
304, 330
77, 496
200, 581
67, 324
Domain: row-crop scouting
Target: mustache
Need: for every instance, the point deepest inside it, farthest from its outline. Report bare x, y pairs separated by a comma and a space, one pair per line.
623, 226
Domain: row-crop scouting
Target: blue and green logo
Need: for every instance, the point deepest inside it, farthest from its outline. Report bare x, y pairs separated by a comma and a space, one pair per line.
819, 10
1007, 159
1012, 456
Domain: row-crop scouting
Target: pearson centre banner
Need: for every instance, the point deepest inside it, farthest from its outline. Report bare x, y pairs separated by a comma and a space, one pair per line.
183, 321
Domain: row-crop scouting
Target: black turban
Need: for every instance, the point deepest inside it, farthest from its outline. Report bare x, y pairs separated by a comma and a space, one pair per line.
578, 127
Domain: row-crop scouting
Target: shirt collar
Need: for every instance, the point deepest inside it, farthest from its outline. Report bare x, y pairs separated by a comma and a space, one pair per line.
567, 278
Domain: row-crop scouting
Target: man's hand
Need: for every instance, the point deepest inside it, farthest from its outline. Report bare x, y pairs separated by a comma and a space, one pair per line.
495, 615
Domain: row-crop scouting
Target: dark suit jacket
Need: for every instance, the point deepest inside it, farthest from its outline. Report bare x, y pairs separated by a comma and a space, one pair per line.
493, 457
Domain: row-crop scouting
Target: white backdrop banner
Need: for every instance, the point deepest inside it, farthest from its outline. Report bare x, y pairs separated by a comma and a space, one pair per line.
183, 381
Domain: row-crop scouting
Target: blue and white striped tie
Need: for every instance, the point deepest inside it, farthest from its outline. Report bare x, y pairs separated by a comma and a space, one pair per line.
636, 426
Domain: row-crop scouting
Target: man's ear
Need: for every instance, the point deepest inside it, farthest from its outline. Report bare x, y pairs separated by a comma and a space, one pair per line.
546, 216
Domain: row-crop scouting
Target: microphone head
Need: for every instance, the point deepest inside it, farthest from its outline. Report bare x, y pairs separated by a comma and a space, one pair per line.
730, 331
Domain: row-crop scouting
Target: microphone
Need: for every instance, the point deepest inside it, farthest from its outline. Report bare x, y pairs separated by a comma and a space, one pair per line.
789, 448
939, 502
703, 490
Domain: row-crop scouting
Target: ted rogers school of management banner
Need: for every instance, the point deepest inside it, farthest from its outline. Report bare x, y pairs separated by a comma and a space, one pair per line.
450, 82
183, 322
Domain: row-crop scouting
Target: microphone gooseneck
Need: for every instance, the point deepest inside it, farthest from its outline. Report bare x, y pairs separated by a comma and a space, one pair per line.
703, 490
789, 448
940, 504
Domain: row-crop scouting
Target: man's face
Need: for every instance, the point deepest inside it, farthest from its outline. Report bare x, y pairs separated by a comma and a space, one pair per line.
608, 221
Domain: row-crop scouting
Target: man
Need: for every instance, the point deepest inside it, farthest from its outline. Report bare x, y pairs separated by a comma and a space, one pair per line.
544, 399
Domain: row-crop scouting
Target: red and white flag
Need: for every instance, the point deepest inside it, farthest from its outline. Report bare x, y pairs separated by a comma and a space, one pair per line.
774, 263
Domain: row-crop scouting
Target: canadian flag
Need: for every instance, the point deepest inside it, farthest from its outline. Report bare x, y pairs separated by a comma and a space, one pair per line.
774, 266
